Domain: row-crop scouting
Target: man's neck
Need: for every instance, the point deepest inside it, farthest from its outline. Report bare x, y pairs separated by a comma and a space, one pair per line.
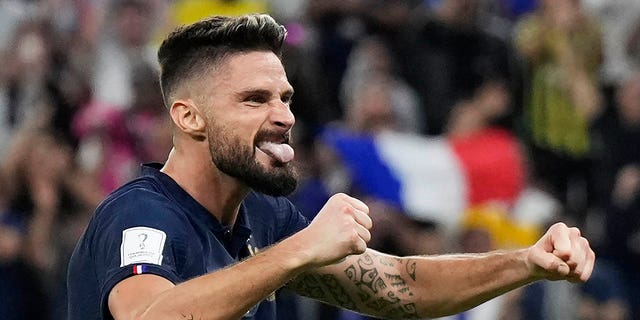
219, 193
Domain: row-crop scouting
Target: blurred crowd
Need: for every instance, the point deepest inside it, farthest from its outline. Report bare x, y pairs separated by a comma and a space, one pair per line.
466, 125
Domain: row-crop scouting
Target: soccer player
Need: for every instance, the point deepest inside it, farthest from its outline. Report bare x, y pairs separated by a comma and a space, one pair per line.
209, 235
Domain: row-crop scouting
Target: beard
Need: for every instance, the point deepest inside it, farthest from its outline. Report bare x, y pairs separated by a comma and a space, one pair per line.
238, 160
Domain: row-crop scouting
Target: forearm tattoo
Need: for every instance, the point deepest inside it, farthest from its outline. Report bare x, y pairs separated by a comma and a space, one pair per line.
411, 269
337, 291
376, 285
308, 285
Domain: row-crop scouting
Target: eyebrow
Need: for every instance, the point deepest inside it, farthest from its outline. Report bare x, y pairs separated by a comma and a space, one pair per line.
263, 92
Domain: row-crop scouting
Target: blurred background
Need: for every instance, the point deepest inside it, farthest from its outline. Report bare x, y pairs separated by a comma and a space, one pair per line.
466, 125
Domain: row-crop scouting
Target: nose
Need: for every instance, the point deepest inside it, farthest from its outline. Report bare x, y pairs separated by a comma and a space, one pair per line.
282, 116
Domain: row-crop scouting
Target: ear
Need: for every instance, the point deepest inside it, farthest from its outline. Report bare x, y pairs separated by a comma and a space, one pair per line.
188, 118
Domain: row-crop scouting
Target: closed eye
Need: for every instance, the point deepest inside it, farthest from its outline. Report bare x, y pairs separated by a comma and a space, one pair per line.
256, 98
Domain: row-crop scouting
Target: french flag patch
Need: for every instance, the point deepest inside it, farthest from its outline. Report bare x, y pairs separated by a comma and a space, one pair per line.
139, 269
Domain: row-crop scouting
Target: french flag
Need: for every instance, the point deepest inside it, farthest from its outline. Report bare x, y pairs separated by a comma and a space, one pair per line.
139, 269
434, 178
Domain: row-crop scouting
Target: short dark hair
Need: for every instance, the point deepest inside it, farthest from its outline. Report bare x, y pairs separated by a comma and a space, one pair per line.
194, 48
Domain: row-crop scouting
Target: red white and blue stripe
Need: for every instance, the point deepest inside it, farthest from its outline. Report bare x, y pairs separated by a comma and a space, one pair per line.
139, 269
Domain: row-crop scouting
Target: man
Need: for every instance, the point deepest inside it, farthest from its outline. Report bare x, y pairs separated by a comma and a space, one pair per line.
188, 240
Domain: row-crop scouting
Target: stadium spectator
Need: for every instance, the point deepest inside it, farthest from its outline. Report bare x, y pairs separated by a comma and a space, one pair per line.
47, 195
620, 22
619, 176
339, 25
562, 47
113, 141
371, 59
446, 57
23, 79
123, 43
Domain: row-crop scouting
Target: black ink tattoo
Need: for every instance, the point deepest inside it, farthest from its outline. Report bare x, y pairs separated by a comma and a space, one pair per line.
309, 286
365, 277
382, 303
386, 262
377, 289
398, 282
411, 269
374, 288
406, 311
337, 292
351, 275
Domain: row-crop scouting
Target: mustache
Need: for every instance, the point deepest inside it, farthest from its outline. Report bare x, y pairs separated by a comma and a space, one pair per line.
273, 136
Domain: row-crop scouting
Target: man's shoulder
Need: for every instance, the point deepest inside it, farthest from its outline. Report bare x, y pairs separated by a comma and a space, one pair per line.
143, 193
138, 186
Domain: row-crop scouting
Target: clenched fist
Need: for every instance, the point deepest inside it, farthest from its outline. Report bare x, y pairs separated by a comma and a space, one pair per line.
562, 254
341, 228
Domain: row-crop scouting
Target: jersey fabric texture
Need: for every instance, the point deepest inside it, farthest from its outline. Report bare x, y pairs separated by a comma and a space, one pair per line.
151, 225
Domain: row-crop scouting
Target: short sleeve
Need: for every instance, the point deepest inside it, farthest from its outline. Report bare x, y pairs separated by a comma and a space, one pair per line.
138, 232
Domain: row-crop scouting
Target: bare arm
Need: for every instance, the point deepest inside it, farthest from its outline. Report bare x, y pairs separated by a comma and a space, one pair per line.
225, 294
340, 229
418, 287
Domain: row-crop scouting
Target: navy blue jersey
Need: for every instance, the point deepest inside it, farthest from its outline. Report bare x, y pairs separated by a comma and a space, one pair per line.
151, 225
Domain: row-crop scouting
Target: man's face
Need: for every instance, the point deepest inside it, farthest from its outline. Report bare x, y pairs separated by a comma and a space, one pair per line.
249, 121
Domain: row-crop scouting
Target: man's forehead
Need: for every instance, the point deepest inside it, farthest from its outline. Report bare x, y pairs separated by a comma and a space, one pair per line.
241, 73
255, 66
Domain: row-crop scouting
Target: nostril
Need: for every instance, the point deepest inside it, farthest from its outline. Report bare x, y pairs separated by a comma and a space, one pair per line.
281, 116
283, 124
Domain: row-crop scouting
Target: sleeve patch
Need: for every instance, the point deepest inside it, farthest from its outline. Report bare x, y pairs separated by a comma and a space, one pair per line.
142, 245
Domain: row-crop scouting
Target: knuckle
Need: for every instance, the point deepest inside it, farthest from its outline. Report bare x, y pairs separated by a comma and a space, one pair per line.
356, 247
342, 196
574, 232
367, 236
354, 237
584, 242
562, 251
564, 255
559, 226
347, 209
337, 196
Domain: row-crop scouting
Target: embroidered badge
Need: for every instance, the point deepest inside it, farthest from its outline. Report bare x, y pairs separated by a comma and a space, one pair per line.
142, 245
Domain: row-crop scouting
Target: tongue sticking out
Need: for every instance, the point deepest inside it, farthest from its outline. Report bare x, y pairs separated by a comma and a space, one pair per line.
279, 151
